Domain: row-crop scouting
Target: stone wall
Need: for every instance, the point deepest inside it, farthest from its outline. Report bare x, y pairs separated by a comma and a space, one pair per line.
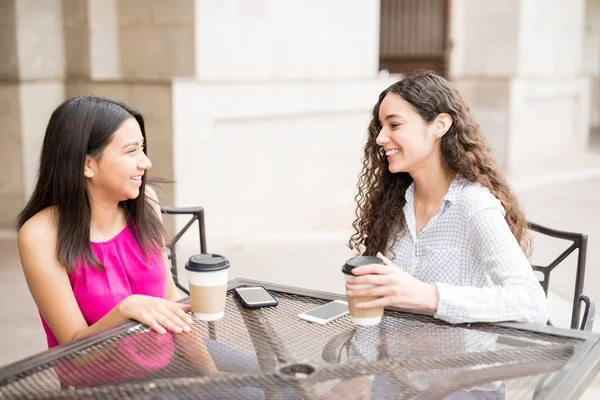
519, 64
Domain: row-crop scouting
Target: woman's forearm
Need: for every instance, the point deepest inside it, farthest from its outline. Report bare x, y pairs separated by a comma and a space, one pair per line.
112, 319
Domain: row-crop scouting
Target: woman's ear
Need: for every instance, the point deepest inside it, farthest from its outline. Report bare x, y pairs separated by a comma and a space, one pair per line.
442, 123
89, 168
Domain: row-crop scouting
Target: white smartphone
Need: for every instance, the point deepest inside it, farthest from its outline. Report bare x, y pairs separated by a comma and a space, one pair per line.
326, 313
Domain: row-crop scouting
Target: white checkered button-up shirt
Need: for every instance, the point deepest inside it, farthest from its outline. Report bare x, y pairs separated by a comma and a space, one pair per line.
469, 252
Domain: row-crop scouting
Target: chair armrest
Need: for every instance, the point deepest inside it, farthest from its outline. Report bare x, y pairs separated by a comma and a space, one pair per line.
181, 210
197, 214
589, 313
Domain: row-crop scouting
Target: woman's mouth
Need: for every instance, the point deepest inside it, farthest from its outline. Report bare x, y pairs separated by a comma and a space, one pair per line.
392, 152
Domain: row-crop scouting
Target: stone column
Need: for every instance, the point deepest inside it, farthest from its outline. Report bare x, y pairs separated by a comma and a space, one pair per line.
31, 85
155, 45
130, 50
518, 63
591, 56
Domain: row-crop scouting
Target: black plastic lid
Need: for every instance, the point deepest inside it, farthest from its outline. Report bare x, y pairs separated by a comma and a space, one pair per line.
359, 261
206, 263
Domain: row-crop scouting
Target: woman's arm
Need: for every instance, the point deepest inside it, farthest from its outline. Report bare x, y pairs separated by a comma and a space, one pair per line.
51, 290
49, 283
516, 295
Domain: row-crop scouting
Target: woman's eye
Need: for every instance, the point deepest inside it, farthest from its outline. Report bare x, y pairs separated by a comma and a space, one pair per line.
394, 125
131, 151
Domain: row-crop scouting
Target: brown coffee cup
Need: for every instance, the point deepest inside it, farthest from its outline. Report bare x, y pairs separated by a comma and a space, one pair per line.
208, 285
361, 316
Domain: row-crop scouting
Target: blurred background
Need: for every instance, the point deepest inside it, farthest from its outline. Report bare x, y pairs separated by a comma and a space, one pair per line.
257, 110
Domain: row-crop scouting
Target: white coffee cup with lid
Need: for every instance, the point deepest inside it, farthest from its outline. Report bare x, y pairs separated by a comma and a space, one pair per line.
207, 275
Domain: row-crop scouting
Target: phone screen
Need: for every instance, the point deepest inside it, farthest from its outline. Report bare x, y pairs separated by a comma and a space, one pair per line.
329, 310
255, 295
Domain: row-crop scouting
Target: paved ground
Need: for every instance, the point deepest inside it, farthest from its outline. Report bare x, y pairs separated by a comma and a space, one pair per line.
563, 195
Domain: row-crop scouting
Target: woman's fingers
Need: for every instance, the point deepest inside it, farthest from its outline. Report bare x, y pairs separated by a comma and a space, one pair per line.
184, 307
373, 269
148, 319
158, 314
166, 322
387, 268
386, 260
380, 302
376, 291
155, 326
175, 319
371, 279
180, 311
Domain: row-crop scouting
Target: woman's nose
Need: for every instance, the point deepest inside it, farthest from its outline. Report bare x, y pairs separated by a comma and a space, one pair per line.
145, 162
382, 138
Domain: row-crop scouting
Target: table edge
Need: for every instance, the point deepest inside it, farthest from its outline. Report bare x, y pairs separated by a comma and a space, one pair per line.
591, 340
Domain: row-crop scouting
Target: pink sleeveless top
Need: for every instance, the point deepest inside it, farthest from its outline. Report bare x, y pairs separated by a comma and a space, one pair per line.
126, 272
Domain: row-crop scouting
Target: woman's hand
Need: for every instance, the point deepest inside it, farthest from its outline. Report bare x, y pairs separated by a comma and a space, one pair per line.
159, 314
394, 286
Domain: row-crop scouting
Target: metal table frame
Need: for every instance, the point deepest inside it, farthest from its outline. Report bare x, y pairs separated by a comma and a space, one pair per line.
570, 384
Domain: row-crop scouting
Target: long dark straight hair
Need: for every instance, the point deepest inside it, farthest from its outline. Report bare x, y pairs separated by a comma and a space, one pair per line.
78, 127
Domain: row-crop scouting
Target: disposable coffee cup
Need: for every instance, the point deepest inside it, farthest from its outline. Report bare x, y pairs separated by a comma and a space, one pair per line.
208, 285
361, 316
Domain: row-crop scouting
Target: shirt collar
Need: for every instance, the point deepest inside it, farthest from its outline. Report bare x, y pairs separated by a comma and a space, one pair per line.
451, 196
457, 185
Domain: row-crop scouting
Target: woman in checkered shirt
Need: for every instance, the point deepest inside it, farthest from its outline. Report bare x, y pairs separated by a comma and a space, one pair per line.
433, 201
433, 205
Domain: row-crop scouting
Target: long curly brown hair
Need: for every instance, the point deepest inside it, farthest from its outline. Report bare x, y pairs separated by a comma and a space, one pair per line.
380, 199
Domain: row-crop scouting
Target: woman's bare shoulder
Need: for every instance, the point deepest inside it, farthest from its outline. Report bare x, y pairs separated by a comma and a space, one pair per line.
41, 227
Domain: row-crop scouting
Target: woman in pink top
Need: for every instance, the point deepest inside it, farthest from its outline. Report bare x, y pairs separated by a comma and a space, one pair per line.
91, 240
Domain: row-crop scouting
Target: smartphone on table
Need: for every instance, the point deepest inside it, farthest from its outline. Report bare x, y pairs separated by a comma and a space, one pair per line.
326, 313
255, 296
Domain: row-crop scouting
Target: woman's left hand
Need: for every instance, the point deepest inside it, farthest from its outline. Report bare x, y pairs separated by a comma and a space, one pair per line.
394, 286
